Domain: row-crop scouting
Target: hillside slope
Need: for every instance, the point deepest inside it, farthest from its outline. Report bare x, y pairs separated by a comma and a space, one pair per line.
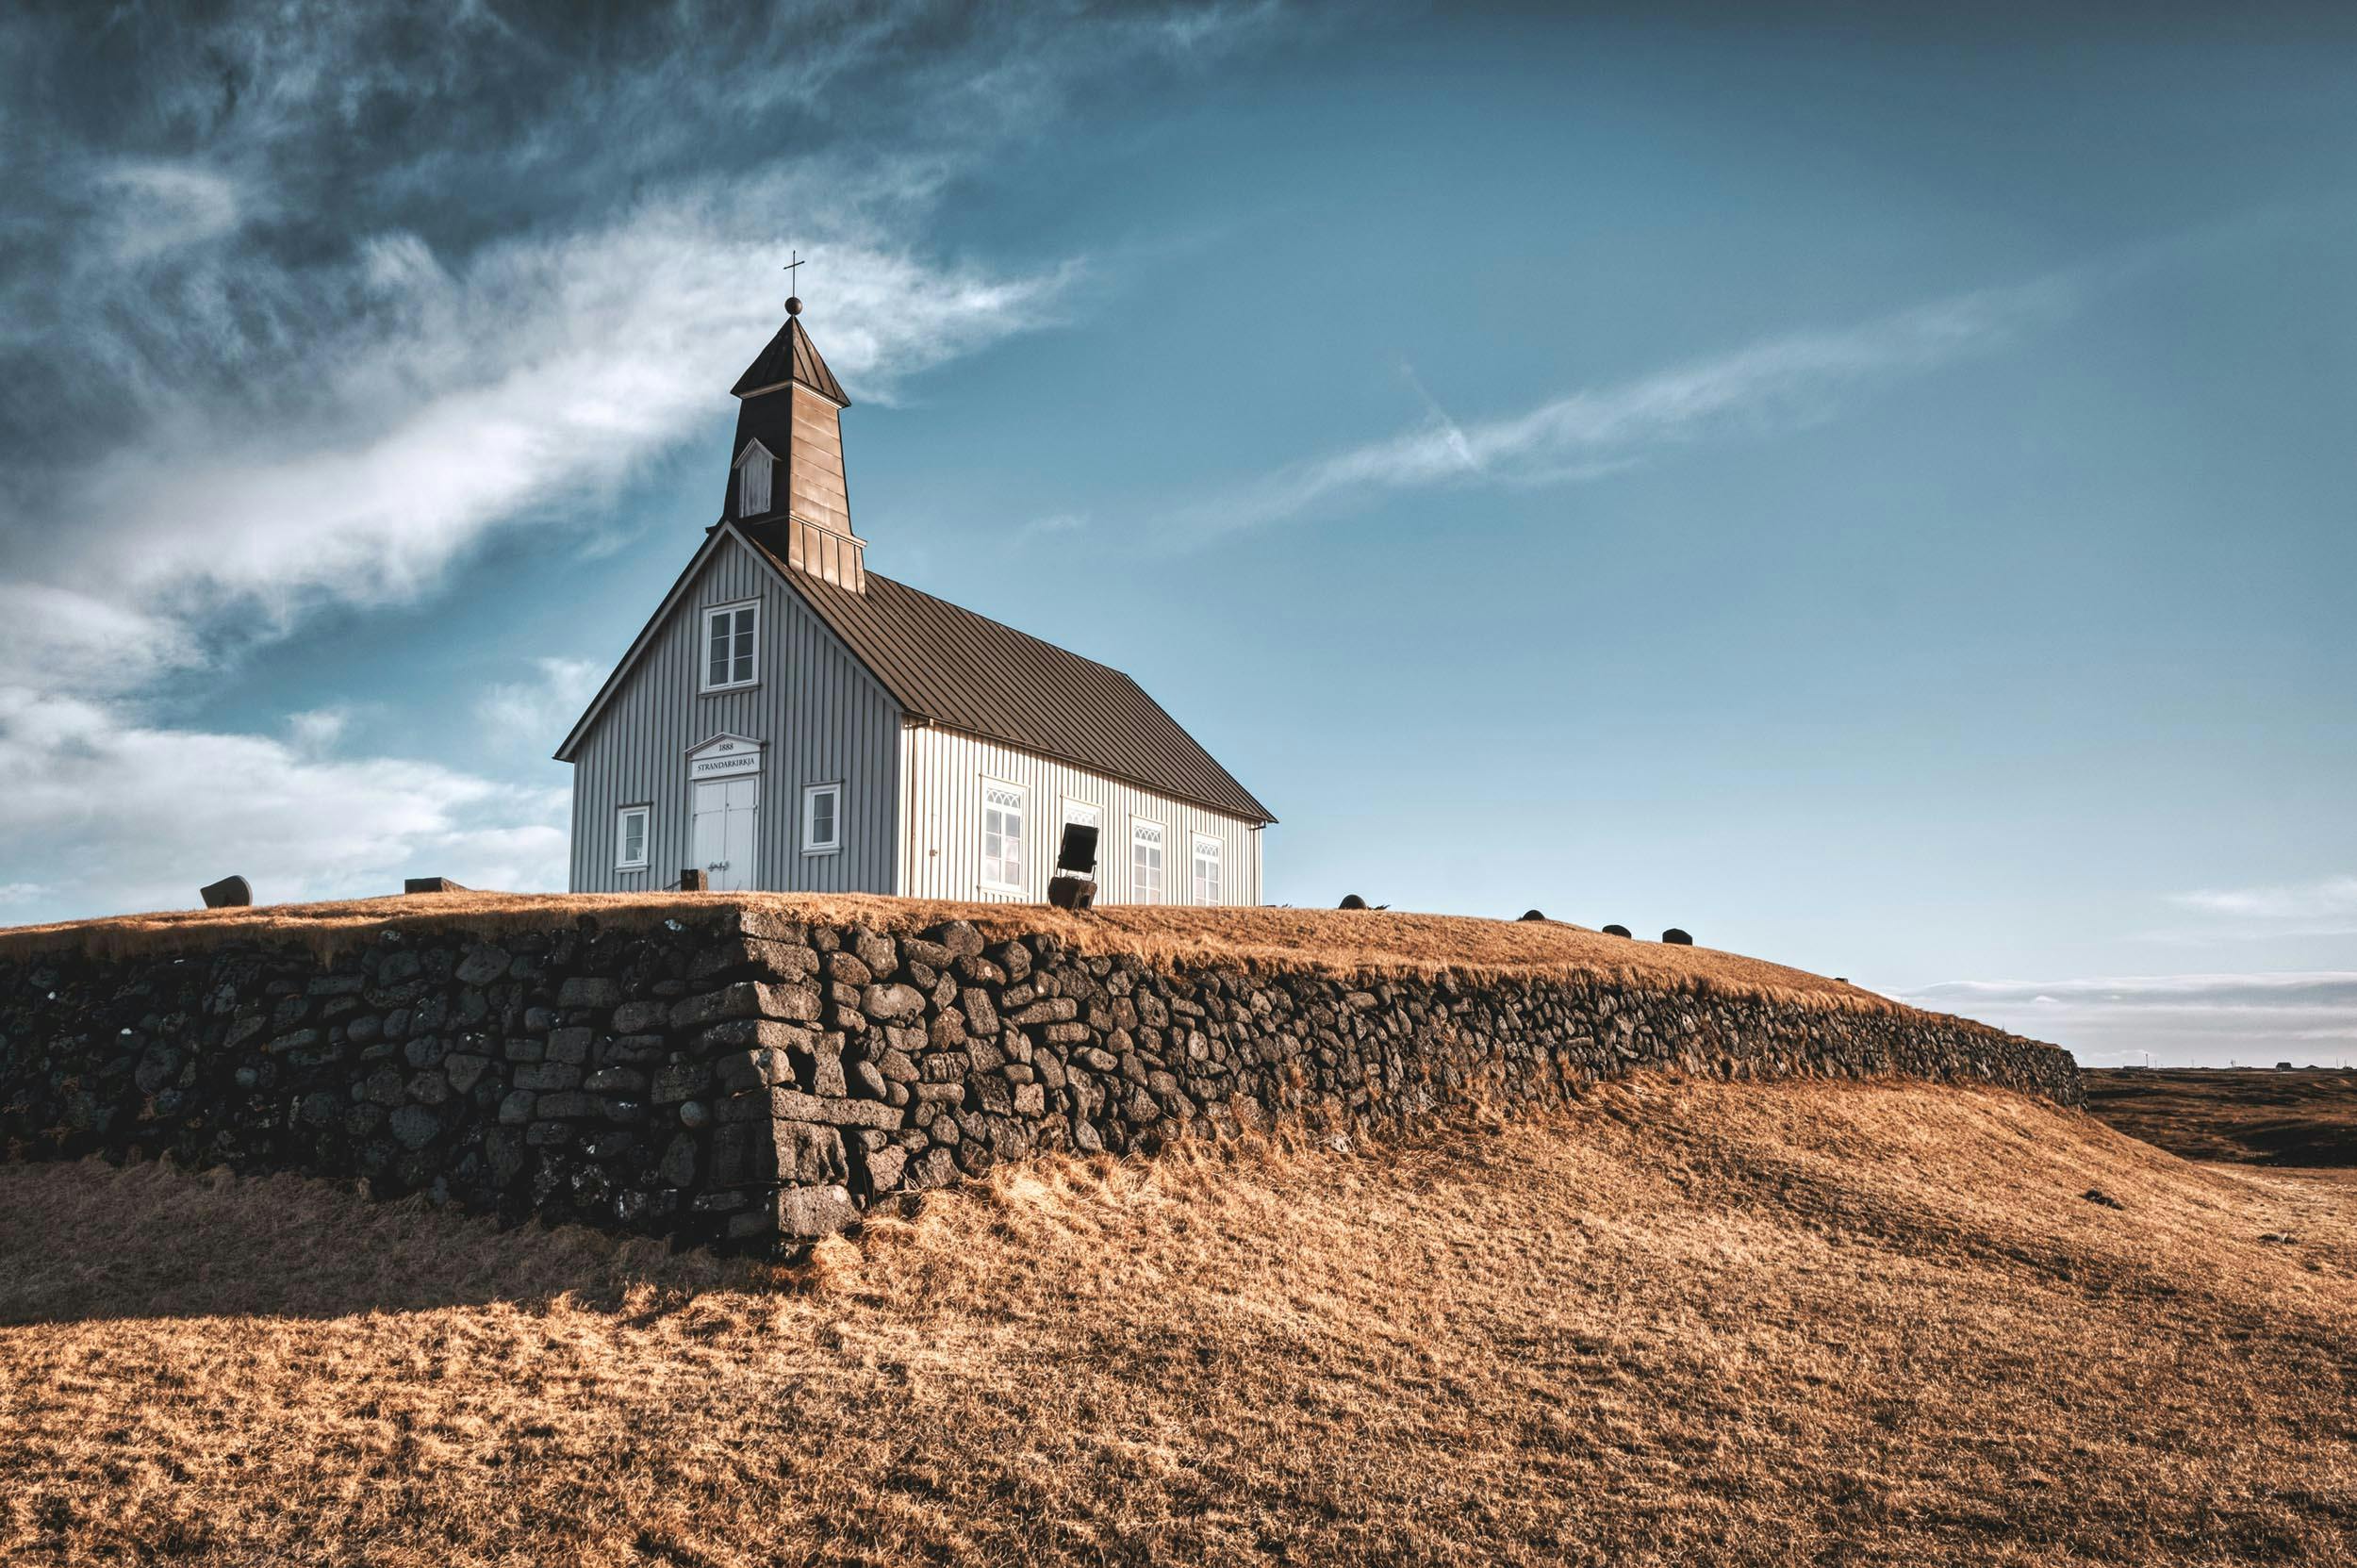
1682, 1322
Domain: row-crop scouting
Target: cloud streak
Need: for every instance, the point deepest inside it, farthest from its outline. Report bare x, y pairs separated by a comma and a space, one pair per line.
2326, 907
151, 814
1588, 434
534, 716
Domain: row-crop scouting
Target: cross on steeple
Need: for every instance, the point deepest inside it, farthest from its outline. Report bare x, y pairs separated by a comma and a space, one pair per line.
793, 303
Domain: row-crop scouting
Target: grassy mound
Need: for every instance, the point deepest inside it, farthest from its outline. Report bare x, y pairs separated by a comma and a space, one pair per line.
1680, 1323
1352, 942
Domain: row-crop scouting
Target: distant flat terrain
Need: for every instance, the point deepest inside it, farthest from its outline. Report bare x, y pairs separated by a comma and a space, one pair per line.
1678, 1323
2245, 1115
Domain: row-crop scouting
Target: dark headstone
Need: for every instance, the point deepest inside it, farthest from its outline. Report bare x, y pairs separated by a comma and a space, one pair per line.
1352, 901
695, 881
1616, 930
1677, 938
430, 884
1072, 892
1533, 915
1077, 853
228, 893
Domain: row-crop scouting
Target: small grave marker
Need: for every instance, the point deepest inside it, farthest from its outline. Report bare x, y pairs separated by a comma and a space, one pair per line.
228, 893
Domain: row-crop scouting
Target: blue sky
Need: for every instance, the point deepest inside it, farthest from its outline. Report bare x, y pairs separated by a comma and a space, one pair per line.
1872, 491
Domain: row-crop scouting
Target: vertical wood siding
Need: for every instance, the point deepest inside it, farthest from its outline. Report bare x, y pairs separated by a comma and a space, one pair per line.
941, 854
826, 720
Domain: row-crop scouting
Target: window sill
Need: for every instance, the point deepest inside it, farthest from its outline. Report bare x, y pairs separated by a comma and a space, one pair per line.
1005, 890
824, 850
722, 691
634, 866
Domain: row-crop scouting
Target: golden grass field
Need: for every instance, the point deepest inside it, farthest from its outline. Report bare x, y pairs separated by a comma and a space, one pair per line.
1344, 941
1678, 1323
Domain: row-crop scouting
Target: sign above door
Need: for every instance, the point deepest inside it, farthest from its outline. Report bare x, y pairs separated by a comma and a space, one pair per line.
724, 755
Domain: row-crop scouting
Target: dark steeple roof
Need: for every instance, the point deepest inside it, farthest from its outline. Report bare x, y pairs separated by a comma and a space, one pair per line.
791, 356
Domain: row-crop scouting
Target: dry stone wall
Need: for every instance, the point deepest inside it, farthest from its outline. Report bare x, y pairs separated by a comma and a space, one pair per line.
748, 1081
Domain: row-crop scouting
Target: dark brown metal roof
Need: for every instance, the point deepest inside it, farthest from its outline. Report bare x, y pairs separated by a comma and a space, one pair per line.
790, 356
970, 672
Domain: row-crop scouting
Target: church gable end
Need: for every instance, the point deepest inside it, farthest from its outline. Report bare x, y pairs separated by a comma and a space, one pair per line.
808, 717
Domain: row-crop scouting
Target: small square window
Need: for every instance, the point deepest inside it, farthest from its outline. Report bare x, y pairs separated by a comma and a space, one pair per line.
822, 819
629, 838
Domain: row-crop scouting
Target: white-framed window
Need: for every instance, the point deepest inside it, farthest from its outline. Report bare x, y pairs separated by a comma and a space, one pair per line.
752, 481
1204, 870
728, 649
1145, 861
1080, 813
631, 826
1002, 836
822, 819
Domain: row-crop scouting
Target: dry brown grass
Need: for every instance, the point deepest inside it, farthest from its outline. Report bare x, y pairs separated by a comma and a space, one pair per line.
1371, 942
1679, 1323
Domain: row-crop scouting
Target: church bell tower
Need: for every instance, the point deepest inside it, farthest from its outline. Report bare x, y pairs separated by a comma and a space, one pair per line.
786, 477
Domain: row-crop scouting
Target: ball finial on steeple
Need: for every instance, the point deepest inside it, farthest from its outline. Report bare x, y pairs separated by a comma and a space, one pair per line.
793, 306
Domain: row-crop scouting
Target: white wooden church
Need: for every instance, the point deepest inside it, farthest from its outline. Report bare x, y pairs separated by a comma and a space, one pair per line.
790, 720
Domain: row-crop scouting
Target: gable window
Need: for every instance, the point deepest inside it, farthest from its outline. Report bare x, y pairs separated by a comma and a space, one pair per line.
1205, 870
752, 481
1145, 861
1002, 836
822, 819
629, 838
729, 646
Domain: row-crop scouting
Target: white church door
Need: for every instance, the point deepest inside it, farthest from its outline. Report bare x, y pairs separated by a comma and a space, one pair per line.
723, 830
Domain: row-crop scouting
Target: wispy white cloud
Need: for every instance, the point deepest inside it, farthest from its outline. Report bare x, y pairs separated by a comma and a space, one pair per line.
88, 640
535, 715
149, 207
317, 731
2198, 1019
456, 403
107, 813
1586, 434
2325, 907
1059, 522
